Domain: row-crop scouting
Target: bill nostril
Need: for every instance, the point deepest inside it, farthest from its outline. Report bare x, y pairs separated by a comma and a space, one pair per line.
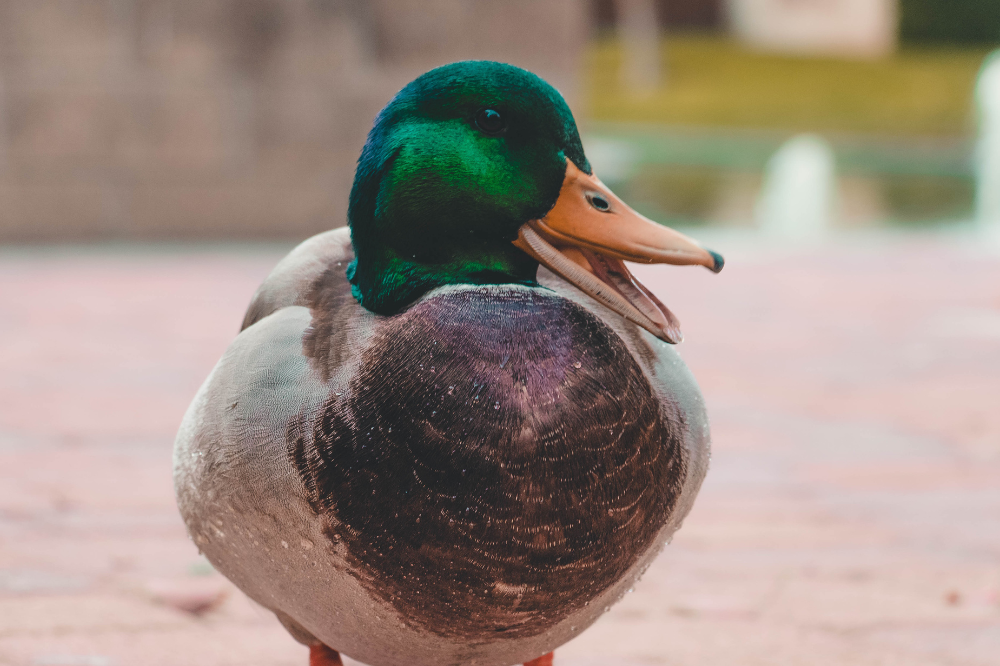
598, 202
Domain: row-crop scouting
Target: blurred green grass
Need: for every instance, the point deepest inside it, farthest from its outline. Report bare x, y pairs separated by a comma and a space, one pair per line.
715, 81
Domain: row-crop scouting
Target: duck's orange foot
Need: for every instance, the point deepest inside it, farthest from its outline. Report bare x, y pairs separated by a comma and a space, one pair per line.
545, 660
321, 655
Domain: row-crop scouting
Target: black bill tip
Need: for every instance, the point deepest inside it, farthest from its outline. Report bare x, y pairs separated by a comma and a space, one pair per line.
719, 261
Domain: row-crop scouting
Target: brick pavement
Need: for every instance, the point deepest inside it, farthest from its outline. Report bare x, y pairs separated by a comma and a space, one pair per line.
851, 515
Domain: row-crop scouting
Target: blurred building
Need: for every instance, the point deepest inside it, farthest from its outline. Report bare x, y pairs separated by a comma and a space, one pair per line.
854, 28
670, 14
851, 28
226, 118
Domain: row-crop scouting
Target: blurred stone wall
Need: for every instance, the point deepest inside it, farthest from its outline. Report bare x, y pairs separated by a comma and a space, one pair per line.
201, 119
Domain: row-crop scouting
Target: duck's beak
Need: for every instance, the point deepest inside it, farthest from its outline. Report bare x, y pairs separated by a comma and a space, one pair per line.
590, 233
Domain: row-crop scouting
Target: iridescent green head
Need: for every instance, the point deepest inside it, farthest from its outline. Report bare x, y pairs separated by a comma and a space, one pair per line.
455, 164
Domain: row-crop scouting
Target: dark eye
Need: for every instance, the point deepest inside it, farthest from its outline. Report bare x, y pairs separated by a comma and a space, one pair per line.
490, 121
598, 202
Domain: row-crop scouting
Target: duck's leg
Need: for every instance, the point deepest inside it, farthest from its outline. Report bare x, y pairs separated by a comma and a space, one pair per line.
321, 655
545, 660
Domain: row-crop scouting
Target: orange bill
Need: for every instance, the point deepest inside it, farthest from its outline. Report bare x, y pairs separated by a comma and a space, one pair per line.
589, 235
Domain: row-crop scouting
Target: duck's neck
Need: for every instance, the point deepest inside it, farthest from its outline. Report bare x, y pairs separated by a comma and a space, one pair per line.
385, 281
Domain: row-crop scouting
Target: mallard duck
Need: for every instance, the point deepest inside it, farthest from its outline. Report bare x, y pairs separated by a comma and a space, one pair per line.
455, 431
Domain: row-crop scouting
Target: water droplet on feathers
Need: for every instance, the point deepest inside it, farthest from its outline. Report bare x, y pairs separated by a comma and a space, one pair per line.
578, 365
496, 405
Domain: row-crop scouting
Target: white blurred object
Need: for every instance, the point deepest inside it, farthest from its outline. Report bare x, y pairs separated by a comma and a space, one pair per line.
988, 149
798, 198
640, 34
854, 28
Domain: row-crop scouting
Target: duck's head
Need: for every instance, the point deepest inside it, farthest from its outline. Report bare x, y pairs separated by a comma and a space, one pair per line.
474, 174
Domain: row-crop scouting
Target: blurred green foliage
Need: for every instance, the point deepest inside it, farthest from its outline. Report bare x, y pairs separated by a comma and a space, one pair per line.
950, 21
715, 81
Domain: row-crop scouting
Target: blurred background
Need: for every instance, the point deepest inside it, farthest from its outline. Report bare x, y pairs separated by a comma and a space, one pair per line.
157, 157
240, 119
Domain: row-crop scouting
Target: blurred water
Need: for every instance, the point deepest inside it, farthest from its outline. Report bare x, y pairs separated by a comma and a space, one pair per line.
687, 176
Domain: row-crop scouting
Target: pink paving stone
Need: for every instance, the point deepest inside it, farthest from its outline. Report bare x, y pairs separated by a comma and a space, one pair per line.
851, 516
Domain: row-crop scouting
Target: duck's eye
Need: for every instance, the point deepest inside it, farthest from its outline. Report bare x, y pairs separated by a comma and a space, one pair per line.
598, 202
490, 121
